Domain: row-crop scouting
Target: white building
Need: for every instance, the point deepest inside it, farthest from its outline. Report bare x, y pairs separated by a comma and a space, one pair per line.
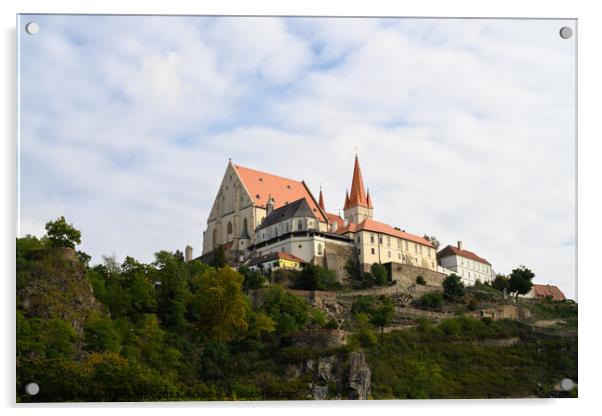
465, 264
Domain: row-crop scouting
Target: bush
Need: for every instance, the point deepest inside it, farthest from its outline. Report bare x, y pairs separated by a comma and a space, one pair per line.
420, 280
453, 288
380, 274
316, 278
431, 300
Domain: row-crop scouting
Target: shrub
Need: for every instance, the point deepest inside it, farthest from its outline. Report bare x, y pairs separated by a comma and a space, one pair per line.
420, 280
431, 300
380, 274
451, 327
316, 278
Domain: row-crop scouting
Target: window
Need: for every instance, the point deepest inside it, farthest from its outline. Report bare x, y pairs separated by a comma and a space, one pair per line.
406, 245
371, 238
380, 240
388, 241
359, 251
358, 238
388, 254
399, 256
299, 225
229, 227
415, 248
284, 249
319, 249
300, 246
420, 249
214, 237
398, 243
372, 250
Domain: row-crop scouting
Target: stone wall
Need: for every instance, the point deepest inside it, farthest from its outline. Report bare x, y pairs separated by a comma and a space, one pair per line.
319, 339
405, 275
336, 256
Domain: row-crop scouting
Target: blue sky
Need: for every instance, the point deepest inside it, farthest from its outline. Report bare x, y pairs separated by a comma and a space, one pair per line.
465, 129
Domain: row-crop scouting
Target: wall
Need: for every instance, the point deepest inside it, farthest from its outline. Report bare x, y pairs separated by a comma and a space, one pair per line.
405, 275
336, 255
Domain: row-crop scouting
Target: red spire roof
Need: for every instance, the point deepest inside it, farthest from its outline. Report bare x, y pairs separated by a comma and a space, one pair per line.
358, 193
346, 200
369, 200
321, 203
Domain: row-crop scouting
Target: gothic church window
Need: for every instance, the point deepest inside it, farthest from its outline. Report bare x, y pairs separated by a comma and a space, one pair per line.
229, 228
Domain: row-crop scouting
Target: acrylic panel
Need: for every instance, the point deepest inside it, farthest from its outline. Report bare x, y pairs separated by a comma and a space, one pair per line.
295, 208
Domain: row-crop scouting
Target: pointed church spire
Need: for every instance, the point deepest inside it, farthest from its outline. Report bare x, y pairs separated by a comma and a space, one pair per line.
368, 199
346, 199
321, 203
358, 192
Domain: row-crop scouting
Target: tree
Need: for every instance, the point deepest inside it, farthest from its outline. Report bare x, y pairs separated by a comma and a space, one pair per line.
380, 274
61, 234
252, 279
383, 315
520, 281
219, 257
500, 282
352, 267
289, 312
453, 288
433, 240
314, 277
219, 306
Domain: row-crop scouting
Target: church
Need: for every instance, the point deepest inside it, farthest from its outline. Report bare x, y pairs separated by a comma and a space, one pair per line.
259, 215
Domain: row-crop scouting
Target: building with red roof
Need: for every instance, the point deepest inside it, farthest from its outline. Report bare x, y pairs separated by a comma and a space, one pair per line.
546, 291
257, 213
466, 264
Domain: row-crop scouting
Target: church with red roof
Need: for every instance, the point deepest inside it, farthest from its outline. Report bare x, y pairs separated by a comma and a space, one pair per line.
256, 213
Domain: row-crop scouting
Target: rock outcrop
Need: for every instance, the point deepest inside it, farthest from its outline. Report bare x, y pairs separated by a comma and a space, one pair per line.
359, 376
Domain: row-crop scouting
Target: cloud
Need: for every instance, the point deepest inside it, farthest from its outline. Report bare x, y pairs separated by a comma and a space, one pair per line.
464, 128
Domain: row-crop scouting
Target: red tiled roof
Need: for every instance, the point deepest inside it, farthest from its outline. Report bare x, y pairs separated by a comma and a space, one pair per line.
262, 185
275, 256
543, 291
358, 193
455, 251
334, 218
380, 227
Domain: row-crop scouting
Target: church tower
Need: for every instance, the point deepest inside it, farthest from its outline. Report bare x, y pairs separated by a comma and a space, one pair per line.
358, 204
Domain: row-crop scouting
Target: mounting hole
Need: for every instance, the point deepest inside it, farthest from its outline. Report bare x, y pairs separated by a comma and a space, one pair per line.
32, 28
566, 32
32, 389
567, 384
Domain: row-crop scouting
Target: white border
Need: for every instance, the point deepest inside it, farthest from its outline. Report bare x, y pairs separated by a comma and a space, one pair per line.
589, 208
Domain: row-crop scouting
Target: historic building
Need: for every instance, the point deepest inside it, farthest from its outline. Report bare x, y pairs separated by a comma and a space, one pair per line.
258, 214
465, 264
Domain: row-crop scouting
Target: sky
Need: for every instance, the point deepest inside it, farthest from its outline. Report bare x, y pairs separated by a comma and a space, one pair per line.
465, 129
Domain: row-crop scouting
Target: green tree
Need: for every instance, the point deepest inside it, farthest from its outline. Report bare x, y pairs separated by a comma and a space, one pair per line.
61, 234
289, 312
314, 277
219, 305
383, 315
173, 291
352, 267
252, 279
380, 274
520, 281
364, 334
500, 282
219, 257
453, 288
100, 335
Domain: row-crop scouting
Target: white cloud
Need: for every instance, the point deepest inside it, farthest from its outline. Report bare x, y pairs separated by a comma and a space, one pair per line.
464, 129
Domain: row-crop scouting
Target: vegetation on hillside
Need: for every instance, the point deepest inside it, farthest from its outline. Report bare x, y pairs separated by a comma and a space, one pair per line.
176, 330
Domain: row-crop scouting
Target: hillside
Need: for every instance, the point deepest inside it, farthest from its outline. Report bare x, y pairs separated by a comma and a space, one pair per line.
173, 330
